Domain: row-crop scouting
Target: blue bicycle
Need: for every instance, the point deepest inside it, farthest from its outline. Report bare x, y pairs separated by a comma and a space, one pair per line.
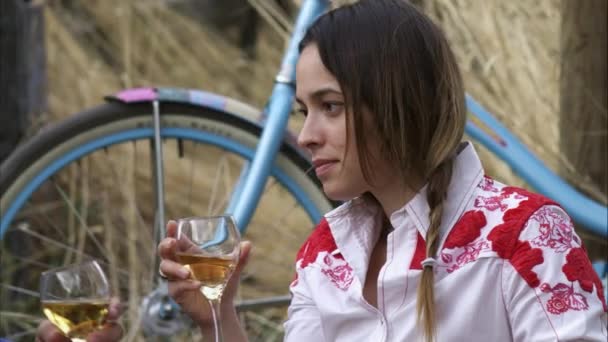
94, 184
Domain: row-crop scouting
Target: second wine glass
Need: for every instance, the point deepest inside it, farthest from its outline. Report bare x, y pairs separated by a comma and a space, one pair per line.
209, 247
75, 298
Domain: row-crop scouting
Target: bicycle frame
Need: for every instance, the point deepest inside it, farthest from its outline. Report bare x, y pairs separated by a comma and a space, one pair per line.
247, 193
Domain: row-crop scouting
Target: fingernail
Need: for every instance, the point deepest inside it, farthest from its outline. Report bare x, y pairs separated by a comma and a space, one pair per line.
183, 273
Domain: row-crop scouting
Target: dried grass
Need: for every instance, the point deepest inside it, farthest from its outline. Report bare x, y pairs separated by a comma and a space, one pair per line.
509, 54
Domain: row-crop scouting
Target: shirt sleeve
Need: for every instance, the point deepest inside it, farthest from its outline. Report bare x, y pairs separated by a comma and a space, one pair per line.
303, 318
550, 289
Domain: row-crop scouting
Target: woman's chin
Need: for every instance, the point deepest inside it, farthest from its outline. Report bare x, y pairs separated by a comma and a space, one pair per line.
337, 194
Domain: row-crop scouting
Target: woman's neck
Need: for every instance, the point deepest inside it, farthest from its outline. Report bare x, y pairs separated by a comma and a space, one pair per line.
394, 195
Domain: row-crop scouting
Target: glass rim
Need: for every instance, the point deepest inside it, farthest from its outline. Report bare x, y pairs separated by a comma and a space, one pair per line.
229, 218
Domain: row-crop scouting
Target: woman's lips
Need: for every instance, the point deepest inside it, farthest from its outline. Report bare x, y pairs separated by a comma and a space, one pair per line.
323, 167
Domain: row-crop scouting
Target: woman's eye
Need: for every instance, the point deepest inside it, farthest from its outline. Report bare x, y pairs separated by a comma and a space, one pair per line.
332, 107
301, 111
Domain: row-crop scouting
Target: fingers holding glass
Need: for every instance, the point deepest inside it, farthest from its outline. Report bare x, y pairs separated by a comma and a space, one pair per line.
209, 249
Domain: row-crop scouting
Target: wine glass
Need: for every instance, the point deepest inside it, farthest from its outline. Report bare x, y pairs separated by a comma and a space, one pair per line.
209, 247
75, 298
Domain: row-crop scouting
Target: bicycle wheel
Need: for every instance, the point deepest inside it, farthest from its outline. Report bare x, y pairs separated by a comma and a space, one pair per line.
85, 189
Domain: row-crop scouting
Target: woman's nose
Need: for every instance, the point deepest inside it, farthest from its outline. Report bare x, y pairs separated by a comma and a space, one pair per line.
309, 136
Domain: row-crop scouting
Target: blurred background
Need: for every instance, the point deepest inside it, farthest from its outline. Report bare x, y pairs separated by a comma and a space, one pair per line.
539, 66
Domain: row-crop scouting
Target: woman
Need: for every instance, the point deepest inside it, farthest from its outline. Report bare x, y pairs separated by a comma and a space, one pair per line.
425, 246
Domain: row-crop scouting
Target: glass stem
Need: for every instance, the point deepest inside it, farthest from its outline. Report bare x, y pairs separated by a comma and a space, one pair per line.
217, 323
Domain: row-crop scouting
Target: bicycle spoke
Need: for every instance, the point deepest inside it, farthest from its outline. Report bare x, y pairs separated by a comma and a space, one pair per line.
48, 221
278, 224
123, 190
272, 181
20, 290
211, 208
23, 333
21, 320
82, 221
30, 262
191, 184
27, 230
229, 185
39, 209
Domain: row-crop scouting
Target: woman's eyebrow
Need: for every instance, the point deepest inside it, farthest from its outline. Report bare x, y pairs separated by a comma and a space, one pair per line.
320, 93
323, 91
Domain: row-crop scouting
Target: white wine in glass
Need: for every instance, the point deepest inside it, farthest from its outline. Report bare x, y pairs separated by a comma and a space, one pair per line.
209, 247
213, 273
75, 298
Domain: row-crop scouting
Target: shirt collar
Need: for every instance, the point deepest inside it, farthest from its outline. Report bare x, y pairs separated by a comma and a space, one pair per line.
356, 225
466, 175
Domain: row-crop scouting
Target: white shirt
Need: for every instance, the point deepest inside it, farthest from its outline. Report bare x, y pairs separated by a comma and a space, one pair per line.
509, 268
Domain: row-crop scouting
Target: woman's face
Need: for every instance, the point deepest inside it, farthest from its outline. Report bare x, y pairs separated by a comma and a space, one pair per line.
324, 133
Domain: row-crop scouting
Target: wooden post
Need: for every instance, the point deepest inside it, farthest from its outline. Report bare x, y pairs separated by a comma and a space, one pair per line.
22, 70
584, 88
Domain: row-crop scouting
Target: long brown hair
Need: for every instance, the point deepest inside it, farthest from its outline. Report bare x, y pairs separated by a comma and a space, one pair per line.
390, 59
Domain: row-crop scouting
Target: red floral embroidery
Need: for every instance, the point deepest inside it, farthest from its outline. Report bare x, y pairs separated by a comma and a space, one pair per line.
470, 253
320, 240
556, 230
524, 259
419, 254
518, 192
341, 274
463, 236
505, 236
491, 203
487, 184
557, 305
466, 230
563, 298
578, 268
446, 257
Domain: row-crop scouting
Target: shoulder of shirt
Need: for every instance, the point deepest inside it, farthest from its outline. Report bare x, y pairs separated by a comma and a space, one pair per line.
320, 240
497, 214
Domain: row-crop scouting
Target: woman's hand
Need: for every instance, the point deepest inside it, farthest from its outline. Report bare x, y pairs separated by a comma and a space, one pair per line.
185, 291
110, 332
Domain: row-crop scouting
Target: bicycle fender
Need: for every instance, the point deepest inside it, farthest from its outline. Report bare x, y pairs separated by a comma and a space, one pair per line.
200, 98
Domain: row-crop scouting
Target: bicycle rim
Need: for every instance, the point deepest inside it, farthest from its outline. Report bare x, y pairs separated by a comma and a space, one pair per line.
92, 196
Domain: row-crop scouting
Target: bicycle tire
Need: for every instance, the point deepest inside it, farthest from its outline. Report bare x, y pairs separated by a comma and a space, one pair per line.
80, 136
